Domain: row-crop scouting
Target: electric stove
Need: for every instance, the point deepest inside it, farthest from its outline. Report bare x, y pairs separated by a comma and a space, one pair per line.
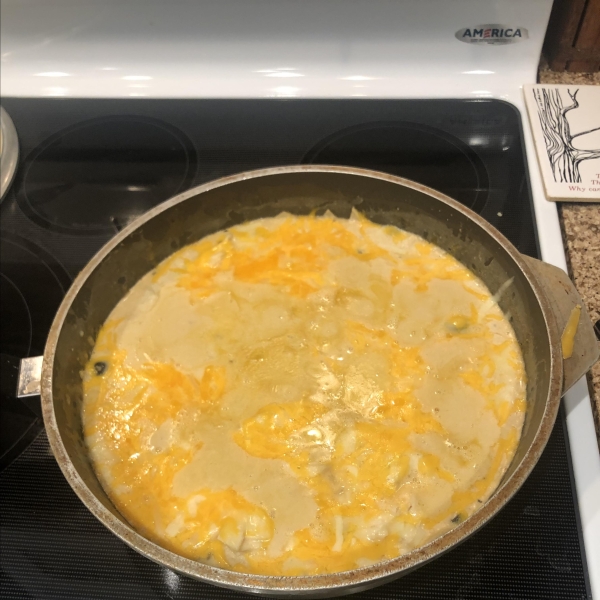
102, 163
121, 106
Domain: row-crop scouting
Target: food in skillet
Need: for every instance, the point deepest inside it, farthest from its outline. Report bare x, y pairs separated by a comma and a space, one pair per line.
303, 395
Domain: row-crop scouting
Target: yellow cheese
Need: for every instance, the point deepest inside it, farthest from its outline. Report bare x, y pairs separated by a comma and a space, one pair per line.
568, 336
303, 395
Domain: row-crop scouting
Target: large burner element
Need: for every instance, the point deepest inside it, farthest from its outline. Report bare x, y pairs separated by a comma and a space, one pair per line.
408, 150
33, 284
99, 175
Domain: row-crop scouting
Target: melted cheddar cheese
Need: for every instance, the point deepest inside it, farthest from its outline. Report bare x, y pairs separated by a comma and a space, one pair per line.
303, 395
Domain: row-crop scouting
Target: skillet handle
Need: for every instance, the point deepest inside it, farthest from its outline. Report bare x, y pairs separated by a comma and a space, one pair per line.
563, 298
30, 377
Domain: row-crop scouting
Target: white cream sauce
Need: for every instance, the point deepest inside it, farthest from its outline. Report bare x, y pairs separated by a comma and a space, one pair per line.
303, 395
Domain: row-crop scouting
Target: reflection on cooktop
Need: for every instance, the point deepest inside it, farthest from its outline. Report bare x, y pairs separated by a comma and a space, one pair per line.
33, 285
99, 175
409, 150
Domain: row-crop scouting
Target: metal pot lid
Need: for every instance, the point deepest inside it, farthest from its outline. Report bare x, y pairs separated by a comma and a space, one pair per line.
9, 152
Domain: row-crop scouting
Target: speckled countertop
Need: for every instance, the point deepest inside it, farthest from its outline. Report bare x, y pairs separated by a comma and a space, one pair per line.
580, 224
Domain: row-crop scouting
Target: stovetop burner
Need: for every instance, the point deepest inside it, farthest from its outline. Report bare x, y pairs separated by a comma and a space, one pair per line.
407, 150
72, 193
33, 285
99, 175
15, 318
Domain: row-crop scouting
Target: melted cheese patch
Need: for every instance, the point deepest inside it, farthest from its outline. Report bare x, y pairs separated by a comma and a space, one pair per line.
302, 395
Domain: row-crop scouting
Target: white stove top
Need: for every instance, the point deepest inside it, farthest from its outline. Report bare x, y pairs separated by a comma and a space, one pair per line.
310, 49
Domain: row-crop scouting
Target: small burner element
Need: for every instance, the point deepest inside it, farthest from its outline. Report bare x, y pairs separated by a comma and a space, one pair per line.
417, 152
99, 175
33, 285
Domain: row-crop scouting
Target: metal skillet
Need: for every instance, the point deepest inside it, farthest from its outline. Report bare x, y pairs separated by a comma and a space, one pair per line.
538, 301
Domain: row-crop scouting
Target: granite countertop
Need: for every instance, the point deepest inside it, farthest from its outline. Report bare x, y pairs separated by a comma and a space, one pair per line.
580, 224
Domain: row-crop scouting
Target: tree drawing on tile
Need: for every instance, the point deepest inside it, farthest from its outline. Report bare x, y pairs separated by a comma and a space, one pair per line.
564, 157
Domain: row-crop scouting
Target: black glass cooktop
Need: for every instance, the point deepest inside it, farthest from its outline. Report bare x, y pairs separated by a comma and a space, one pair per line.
89, 167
